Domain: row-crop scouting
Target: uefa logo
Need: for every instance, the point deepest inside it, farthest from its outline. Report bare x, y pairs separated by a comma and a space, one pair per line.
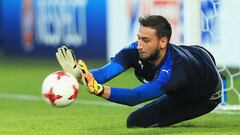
27, 25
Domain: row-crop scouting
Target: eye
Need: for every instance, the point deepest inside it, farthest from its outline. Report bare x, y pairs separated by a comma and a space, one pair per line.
146, 40
138, 37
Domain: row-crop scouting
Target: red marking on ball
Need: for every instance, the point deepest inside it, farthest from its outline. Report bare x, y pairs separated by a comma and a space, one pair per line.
61, 74
51, 96
74, 96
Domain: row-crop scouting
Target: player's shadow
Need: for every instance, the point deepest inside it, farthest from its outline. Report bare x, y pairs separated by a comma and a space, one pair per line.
199, 125
193, 126
186, 126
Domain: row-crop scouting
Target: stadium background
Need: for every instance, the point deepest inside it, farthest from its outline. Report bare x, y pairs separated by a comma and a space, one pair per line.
31, 31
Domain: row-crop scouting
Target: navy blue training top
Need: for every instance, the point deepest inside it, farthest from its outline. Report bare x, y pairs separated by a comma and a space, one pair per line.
186, 72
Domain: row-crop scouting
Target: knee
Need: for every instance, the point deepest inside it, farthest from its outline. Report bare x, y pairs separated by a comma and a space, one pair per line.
130, 121
133, 121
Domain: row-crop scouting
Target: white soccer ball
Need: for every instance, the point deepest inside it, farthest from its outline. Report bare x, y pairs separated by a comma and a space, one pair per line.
60, 89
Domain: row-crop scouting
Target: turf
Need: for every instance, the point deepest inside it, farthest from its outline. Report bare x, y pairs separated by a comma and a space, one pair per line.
35, 117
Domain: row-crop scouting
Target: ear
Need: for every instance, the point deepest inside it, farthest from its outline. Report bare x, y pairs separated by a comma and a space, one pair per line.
163, 42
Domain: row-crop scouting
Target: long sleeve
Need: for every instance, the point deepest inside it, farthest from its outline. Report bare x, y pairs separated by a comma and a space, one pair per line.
145, 92
107, 72
121, 62
136, 95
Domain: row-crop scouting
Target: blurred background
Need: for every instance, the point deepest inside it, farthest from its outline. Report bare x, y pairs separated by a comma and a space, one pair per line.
100, 28
32, 30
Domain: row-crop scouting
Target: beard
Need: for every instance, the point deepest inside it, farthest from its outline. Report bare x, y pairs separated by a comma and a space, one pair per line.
153, 56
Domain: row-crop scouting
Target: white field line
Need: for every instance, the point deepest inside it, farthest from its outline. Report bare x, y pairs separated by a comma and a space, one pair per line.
226, 112
91, 102
38, 98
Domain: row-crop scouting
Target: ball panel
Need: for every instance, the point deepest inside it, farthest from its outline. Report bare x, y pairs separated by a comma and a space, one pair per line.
60, 89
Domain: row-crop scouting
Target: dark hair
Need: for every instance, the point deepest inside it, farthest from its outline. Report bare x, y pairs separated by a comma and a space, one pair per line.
159, 23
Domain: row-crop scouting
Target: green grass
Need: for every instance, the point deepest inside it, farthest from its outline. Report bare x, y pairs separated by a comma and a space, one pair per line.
23, 117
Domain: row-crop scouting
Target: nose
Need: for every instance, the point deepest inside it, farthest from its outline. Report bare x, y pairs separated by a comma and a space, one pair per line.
139, 47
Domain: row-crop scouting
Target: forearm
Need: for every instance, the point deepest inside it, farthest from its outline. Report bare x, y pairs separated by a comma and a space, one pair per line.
107, 72
124, 96
131, 97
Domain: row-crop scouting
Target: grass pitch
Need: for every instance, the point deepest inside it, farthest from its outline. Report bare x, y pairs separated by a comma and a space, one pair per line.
23, 111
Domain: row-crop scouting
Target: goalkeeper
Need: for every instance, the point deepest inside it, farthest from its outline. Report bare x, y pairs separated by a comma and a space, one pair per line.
183, 80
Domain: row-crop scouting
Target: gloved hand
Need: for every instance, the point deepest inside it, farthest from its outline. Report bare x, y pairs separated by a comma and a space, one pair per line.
88, 80
68, 62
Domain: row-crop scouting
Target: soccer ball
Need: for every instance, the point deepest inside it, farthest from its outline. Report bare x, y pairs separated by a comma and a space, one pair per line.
60, 89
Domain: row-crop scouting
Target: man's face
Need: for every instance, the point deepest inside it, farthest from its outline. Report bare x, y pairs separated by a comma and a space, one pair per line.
148, 43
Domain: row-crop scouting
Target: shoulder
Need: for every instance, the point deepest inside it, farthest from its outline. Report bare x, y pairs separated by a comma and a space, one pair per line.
178, 50
127, 55
129, 51
182, 54
133, 45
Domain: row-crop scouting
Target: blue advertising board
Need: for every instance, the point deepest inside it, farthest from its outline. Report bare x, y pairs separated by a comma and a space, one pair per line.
39, 27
